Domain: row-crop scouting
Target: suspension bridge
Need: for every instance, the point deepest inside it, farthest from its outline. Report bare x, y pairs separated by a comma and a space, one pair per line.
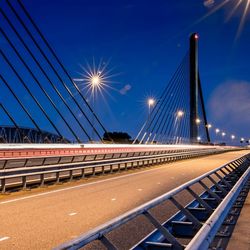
170, 188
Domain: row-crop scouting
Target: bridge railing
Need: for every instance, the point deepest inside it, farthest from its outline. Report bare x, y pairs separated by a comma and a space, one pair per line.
37, 171
90, 155
211, 206
37, 150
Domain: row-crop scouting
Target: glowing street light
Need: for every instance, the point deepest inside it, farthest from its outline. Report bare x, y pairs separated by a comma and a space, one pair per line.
217, 131
198, 138
209, 126
151, 102
180, 113
232, 137
198, 121
95, 81
223, 134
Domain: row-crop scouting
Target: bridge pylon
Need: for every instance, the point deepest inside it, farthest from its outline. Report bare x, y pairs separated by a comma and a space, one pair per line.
194, 91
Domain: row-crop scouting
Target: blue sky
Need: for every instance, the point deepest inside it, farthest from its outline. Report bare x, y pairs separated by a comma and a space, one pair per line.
144, 42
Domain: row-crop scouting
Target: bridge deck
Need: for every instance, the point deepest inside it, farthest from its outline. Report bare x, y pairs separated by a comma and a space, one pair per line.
43, 218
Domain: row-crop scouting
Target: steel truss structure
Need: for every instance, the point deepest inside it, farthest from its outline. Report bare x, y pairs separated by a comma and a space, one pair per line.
28, 135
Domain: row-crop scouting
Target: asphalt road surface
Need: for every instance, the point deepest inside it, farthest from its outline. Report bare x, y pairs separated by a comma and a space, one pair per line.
45, 217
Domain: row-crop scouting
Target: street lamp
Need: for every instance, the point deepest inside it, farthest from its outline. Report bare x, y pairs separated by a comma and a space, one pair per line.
95, 81
198, 121
151, 102
95, 85
232, 137
223, 134
217, 131
209, 126
198, 138
180, 113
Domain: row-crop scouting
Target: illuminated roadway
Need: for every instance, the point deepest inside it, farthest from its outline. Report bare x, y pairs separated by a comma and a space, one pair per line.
45, 217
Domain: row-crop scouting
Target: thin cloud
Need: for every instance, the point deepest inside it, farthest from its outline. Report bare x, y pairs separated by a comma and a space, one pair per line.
125, 89
229, 105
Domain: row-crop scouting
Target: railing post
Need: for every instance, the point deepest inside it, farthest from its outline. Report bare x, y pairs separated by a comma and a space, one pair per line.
24, 182
3, 186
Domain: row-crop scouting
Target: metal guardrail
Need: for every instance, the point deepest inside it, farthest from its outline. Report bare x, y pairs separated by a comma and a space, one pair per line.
205, 236
84, 149
199, 220
91, 155
69, 168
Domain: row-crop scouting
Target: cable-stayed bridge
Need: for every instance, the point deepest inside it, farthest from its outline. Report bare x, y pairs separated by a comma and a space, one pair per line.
32, 69
38, 91
172, 188
179, 115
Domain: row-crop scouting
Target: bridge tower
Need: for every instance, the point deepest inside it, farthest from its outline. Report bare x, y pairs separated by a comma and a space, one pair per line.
194, 85
195, 92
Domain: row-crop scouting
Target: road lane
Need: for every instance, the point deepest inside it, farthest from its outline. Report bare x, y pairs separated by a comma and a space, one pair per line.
41, 220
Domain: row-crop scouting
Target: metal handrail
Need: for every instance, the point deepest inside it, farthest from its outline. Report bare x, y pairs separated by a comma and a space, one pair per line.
103, 161
100, 231
204, 237
70, 167
96, 165
59, 157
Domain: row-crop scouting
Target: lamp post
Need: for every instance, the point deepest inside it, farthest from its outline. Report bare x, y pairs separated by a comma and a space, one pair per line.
198, 121
151, 102
223, 134
95, 83
216, 134
232, 138
179, 115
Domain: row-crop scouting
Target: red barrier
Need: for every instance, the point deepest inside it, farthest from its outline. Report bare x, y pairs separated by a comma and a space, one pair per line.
21, 153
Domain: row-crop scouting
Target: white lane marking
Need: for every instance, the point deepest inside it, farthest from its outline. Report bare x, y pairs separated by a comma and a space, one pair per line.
71, 214
113, 199
85, 185
139, 189
4, 238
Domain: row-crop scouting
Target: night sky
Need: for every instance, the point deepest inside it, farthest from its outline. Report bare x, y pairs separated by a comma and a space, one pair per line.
142, 43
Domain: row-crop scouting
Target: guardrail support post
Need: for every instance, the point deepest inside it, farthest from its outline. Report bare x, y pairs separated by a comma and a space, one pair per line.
164, 231
217, 185
196, 223
24, 182
224, 181
57, 177
3, 186
82, 174
198, 198
42, 180
107, 243
210, 192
